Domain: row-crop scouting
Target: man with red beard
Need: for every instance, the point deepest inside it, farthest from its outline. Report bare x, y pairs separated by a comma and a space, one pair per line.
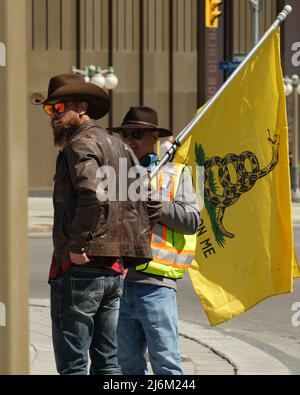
93, 237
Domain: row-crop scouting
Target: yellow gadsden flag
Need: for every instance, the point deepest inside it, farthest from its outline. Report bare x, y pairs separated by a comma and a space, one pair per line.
245, 249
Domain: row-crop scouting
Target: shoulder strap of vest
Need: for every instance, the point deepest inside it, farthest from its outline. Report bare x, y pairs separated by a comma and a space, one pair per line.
179, 168
167, 179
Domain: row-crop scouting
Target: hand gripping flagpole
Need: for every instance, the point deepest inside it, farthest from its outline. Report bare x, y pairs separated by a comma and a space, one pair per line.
187, 130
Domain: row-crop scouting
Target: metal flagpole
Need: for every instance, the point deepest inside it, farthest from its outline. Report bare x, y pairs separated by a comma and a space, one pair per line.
187, 130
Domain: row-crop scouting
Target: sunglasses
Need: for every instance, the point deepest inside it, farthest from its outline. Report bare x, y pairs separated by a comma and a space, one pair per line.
60, 107
50, 109
135, 135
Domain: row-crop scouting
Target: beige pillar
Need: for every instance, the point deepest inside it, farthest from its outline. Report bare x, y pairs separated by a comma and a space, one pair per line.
13, 190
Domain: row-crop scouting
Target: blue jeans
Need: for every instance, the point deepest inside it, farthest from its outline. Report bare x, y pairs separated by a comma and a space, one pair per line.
148, 317
84, 312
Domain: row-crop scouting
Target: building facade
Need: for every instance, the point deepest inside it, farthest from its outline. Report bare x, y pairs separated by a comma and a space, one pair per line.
161, 51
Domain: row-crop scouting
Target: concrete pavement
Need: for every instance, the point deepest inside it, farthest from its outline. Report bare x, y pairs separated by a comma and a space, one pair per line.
197, 359
204, 351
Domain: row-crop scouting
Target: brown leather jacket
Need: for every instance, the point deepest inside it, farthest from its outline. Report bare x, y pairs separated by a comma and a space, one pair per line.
82, 223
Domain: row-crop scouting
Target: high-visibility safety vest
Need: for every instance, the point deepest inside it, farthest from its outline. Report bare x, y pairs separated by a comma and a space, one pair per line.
172, 252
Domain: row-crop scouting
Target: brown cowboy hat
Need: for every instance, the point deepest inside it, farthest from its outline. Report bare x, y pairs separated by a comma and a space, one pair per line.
69, 85
144, 118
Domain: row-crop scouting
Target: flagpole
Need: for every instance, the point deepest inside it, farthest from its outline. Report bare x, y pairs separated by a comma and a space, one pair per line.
187, 130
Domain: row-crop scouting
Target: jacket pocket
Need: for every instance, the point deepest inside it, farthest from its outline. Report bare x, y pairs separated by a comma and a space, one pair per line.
61, 226
101, 230
63, 189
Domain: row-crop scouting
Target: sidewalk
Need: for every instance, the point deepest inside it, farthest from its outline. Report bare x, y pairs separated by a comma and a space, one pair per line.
204, 351
196, 359
40, 215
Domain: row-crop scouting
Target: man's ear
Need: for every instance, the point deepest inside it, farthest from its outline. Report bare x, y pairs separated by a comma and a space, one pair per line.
155, 136
83, 106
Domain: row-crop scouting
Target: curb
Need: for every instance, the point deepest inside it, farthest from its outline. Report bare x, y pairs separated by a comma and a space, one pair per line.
219, 354
39, 234
242, 356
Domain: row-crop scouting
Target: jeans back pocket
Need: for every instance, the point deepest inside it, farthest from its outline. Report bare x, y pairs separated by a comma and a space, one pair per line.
87, 294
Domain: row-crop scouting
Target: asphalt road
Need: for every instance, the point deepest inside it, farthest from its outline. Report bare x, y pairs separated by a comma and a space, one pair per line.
40, 251
274, 315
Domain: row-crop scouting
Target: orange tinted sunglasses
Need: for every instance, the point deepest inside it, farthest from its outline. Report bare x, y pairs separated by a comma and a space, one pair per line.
50, 109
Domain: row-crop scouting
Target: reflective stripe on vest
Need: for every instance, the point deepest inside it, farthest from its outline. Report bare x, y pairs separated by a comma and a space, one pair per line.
172, 252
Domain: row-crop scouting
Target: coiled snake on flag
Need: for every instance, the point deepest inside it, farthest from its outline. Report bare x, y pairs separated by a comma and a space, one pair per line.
245, 179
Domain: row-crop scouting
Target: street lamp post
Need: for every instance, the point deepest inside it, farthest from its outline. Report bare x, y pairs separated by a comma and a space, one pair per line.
255, 8
292, 86
94, 74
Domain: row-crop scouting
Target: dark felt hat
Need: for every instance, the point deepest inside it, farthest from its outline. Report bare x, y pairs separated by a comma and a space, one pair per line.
144, 118
69, 85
